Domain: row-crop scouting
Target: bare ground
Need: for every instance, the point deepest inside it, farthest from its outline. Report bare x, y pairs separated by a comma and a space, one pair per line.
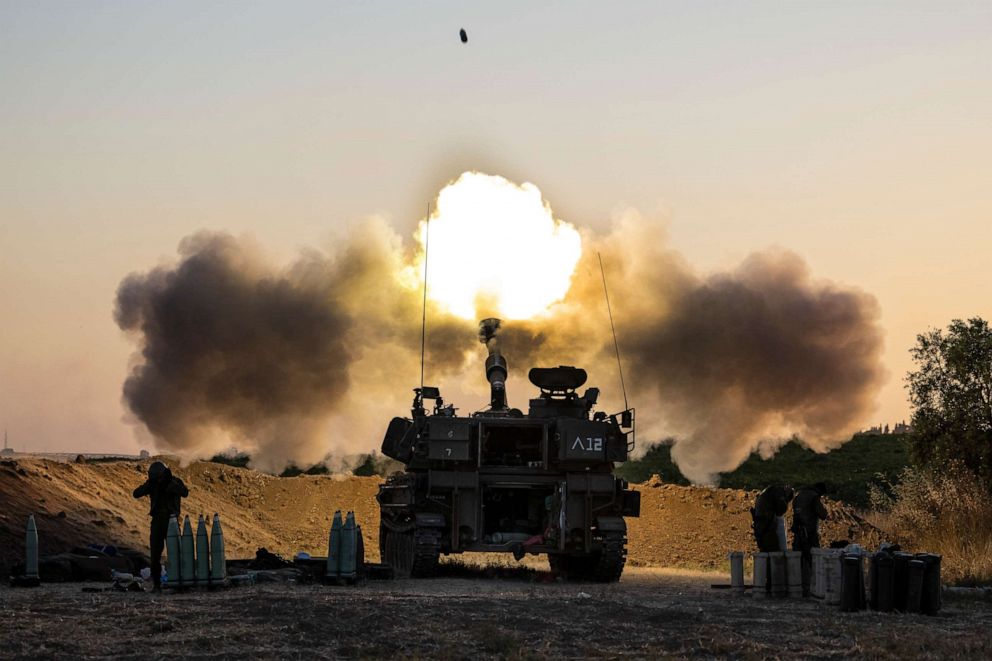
651, 613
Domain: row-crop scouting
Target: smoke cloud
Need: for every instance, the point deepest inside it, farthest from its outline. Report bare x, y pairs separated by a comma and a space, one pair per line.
742, 360
293, 363
230, 343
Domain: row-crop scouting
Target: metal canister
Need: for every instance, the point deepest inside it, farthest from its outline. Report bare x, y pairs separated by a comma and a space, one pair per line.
881, 581
852, 591
900, 580
776, 574
914, 586
736, 571
794, 573
759, 577
930, 597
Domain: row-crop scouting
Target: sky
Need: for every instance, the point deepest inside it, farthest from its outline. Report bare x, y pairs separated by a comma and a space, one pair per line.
855, 134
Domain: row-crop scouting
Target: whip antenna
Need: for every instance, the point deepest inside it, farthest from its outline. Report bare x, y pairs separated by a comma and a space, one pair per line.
616, 345
423, 320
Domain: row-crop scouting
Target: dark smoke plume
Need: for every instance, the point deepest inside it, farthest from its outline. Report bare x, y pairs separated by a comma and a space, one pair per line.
739, 361
748, 356
291, 364
231, 344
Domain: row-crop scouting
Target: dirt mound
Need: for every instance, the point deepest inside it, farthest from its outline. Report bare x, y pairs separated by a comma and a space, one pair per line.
78, 504
697, 526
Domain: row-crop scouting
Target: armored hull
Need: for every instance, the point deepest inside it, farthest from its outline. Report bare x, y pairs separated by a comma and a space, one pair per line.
504, 481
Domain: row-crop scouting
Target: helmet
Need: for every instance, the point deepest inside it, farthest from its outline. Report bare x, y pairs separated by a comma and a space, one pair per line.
156, 470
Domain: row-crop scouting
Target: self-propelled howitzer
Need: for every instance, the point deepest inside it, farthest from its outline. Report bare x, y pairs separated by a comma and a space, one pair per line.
501, 480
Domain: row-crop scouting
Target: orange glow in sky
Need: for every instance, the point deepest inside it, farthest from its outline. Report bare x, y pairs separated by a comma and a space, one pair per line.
855, 134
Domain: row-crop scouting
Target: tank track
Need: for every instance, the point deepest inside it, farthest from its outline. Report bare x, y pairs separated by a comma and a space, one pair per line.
412, 553
604, 566
426, 552
609, 563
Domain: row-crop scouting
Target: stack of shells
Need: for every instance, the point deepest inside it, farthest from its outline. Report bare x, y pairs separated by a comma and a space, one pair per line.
345, 549
195, 561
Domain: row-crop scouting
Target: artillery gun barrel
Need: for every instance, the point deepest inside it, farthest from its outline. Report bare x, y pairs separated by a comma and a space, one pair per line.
496, 375
496, 369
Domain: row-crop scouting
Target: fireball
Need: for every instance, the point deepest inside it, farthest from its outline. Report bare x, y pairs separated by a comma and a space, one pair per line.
496, 249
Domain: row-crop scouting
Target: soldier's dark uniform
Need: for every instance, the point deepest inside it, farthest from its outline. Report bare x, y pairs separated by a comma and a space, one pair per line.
771, 503
166, 493
807, 512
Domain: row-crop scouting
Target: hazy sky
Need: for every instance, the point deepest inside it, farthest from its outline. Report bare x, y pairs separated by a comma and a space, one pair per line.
856, 134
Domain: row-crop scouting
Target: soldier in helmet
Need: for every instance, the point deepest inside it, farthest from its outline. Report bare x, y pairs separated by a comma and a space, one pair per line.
165, 491
807, 512
766, 515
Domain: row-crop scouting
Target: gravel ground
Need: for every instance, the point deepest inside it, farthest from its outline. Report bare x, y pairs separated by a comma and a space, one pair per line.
651, 613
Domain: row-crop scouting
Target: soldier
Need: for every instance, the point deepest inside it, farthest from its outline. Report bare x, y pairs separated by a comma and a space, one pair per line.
807, 512
768, 510
165, 492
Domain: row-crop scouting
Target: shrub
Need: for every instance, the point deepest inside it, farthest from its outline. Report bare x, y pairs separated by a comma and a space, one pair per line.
946, 511
236, 459
375, 464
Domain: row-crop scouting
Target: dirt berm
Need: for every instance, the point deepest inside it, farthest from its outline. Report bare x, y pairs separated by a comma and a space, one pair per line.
78, 504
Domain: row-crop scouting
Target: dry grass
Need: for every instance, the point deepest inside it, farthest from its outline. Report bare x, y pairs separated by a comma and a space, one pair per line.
947, 512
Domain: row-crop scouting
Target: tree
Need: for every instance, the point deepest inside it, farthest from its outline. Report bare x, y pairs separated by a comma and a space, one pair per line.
951, 395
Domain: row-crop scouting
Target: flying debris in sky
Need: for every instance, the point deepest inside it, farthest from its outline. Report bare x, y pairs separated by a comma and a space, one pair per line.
463, 35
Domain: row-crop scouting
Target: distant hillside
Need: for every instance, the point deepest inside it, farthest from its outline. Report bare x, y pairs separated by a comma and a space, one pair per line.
848, 470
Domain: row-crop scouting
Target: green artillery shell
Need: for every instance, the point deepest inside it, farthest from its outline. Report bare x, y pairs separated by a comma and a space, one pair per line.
31, 549
218, 563
172, 551
202, 553
334, 547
